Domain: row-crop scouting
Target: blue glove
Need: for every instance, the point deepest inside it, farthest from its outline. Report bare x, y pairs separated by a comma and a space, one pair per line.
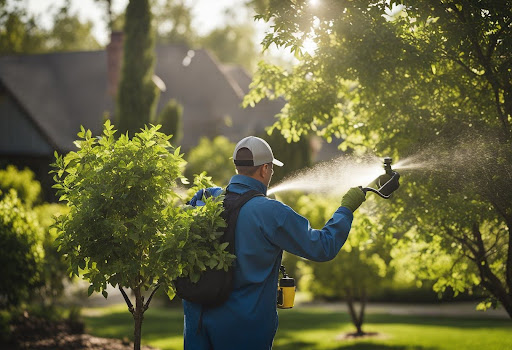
197, 200
197, 197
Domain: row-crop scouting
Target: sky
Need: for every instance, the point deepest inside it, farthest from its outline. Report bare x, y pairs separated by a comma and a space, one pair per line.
207, 13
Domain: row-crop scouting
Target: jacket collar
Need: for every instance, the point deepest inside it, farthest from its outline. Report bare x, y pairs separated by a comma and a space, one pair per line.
239, 182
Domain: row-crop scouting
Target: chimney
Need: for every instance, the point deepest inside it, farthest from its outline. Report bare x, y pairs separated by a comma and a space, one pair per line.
114, 60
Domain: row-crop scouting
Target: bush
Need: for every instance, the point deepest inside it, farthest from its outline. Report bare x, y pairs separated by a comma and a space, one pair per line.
54, 268
23, 182
21, 251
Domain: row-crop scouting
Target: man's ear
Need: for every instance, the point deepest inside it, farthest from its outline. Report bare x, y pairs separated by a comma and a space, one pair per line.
262, 170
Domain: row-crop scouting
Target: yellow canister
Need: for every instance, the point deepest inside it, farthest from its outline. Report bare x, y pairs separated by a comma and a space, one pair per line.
286, 293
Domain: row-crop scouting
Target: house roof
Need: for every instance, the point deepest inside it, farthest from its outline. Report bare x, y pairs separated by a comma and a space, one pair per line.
62, 91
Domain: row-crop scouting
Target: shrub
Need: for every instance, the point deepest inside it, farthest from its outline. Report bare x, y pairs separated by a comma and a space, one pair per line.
21, 251
23, 182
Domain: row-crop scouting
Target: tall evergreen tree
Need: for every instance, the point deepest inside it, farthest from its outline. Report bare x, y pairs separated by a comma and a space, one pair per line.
137, 96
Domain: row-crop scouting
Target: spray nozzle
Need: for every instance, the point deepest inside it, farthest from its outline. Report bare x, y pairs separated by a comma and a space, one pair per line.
387, 165
387, 183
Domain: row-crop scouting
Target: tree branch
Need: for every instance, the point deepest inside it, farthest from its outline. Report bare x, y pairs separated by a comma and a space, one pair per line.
466, 241
146, 306
127, 300
460, 63
489, 72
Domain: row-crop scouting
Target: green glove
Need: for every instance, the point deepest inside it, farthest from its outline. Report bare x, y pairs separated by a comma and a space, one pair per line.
353, 198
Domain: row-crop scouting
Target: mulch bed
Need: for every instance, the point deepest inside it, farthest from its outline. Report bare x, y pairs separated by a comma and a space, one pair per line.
40, 334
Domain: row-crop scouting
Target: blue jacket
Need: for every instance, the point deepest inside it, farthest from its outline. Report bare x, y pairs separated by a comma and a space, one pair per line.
265, 227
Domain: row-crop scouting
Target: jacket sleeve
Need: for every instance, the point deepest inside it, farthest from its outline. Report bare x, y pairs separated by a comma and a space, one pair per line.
295, 235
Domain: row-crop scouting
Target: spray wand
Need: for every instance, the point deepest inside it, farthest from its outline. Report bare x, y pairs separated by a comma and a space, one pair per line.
386, 183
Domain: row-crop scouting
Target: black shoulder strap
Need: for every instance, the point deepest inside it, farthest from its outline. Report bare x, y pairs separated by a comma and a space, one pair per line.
244, 198
232, 207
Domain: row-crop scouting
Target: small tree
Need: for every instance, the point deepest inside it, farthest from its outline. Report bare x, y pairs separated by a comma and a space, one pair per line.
125, 226
171, 119
357, 270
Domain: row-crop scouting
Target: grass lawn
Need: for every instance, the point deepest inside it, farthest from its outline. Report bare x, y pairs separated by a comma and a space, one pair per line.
319, 329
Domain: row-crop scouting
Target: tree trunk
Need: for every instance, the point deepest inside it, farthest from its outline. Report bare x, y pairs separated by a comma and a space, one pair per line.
363, 307
138, 316
356, 321
489, 280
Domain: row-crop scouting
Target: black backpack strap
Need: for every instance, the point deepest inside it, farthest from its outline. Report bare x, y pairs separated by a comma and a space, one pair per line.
231, 209
244, 198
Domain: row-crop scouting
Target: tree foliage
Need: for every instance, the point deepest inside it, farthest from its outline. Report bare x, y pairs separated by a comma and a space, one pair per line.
18, 31
22, 33
173, 20
233, 44
394, 77
69, 33
212, 157
126, 226
137, 96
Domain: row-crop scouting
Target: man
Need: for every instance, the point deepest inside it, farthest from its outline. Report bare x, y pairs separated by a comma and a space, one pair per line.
248, 319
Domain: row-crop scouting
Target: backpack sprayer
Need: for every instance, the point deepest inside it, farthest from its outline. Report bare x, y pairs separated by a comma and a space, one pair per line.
285, 290
386, 183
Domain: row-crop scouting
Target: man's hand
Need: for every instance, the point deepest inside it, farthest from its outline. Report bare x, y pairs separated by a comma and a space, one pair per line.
201, 195
353, 198
197, 197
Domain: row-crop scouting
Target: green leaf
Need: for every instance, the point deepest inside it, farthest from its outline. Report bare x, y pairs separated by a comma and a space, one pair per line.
184, 180
194, 277
90, 290
170, 293
104, 293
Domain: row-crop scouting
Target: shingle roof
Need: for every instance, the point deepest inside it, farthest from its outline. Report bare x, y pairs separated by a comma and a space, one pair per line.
59, 91
62, 91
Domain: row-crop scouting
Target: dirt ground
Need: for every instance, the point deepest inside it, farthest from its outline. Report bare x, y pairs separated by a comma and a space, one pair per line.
38, 334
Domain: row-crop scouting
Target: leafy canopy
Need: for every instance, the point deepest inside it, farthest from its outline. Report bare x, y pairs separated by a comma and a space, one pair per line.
422, 80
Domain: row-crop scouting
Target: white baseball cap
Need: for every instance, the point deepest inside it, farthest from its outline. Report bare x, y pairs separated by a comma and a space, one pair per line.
260, 149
